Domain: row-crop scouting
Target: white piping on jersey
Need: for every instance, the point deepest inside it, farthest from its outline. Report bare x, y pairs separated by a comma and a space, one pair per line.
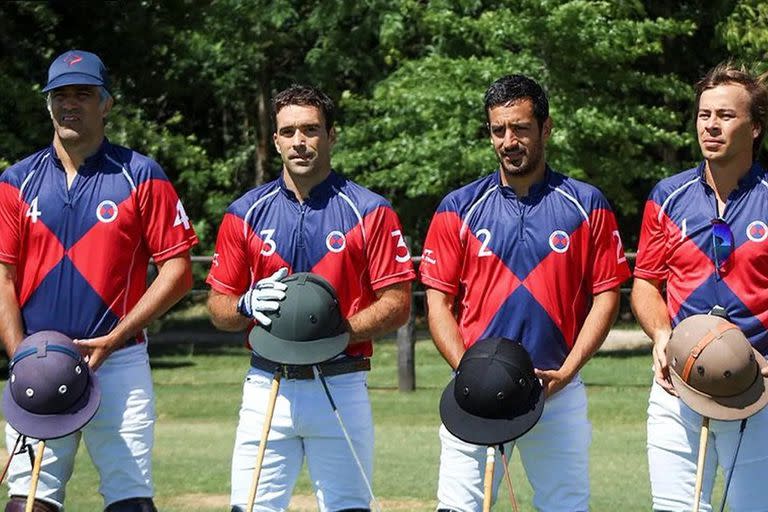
29, 176
465, 223
576, 202
673, 194
128, 280
357, 214
764, 183
254, 205
125, 171
684, 231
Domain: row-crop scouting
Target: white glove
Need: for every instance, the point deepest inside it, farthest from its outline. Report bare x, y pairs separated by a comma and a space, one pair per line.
264, 296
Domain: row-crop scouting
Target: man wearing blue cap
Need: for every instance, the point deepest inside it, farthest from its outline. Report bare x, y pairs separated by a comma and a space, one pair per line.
79, 221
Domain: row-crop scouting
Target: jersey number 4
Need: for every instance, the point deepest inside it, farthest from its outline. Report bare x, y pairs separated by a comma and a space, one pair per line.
33, 211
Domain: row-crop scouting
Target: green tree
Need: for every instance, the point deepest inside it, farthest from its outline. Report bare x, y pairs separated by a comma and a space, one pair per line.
619, 119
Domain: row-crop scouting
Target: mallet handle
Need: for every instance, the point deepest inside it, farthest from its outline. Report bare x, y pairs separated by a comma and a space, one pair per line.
700, 463
264, 435
490, 459
35, 477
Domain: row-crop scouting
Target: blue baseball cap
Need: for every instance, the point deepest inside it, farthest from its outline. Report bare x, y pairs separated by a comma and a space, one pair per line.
77, 67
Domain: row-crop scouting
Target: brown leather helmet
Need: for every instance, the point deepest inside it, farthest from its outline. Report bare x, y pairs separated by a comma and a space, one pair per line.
715, 370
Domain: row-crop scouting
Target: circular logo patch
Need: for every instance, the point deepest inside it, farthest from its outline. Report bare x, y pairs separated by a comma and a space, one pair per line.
106, 211
559, 241
757, 231
335, 241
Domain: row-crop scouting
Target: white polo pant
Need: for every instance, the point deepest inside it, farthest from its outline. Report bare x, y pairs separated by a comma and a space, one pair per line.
119, 438
673, 449
304, 425
554, 453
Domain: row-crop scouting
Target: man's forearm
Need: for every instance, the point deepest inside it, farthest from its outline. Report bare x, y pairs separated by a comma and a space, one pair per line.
650, 309
600, 319
223, 310
444, 328
390, 310
173, 281
11, 330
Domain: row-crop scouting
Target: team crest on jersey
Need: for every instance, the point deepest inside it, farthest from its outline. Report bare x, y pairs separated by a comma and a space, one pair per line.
335, 241
559, 241
757, 231
106, 212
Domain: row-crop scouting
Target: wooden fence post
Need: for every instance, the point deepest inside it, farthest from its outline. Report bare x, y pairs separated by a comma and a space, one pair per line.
406, 360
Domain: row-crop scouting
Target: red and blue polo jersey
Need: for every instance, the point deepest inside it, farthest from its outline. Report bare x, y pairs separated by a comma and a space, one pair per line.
524, 267
342, 231
81, 253
676, 247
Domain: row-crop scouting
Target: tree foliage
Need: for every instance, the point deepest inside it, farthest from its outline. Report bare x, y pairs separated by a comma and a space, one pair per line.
193, 81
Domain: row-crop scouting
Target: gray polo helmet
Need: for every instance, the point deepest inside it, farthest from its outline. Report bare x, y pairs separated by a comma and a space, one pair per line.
51, 391
308, 328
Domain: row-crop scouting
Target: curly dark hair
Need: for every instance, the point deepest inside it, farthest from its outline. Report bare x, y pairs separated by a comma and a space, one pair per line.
305, 95
511, 88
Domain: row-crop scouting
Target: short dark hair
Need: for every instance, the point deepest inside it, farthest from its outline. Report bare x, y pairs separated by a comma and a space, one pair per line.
756, 87
511, 88
305, 95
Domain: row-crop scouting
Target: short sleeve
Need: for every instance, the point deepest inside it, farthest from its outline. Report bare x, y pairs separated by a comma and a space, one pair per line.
389, 259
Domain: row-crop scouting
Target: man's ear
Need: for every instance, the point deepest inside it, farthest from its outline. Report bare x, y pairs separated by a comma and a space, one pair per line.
108, 103
547, 128
332, 135
274, 141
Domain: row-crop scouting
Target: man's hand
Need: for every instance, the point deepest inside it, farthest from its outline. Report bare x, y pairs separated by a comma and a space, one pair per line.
264, 296
552, 380
660, 364
96, 350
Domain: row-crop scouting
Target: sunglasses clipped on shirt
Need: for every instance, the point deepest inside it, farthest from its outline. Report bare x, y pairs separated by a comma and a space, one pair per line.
722, 243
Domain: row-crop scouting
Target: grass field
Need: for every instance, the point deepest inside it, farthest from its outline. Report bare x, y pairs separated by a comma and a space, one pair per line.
198, 394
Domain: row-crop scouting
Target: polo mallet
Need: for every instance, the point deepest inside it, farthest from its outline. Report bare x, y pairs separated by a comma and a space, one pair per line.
346, 436
35, 477
490, 459
10, 458
733, 463
264, 434
700, 464
508, 478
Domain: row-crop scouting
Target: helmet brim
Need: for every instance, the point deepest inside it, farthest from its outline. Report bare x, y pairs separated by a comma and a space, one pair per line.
269, 346
53, 426
730, 408
485, 431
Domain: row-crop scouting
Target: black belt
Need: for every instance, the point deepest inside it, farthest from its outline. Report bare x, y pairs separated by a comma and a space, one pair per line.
305, 372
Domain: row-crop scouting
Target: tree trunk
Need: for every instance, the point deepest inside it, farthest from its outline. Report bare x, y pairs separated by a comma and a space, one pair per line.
262, 133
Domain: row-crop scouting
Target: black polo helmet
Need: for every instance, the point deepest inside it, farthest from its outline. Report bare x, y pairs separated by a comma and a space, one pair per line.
51, 391
495, 396
307, 329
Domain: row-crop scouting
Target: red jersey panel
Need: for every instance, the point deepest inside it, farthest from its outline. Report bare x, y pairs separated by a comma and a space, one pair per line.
676, 247
81, 253
343, 232
524, 268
